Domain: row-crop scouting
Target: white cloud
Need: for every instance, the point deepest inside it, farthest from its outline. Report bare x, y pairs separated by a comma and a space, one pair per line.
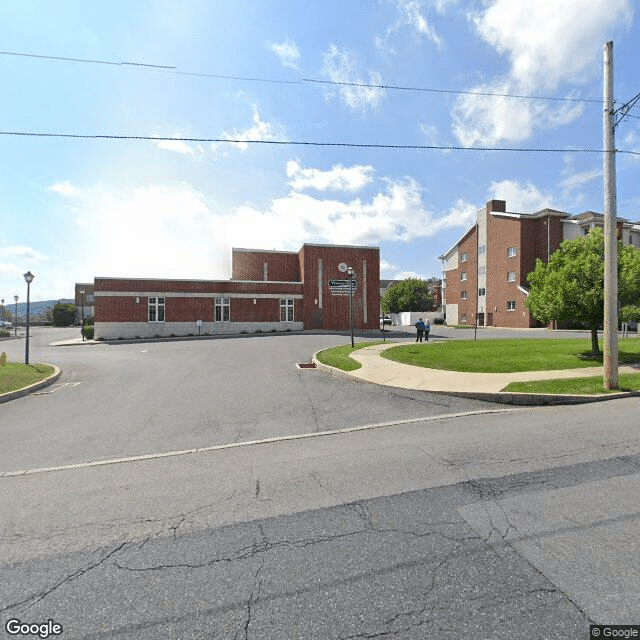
288, 52
548, 45
412, 17
22, 251
549, 42
338, 178
178, 146
340, 66
520, 198
67, 189
259, 130
578, 180
390, 271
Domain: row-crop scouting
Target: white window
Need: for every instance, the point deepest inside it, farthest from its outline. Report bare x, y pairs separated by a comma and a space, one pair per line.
222, 310
463, 295
482, 270
463, 275
464, 257
481, 249
156, 309
286, 310
511, 276
511, 305
463, 317
482, 291
512, 252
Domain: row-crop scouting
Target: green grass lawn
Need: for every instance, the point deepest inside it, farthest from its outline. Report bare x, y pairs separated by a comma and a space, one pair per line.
14, 376
507, 356
338, 357
576, 386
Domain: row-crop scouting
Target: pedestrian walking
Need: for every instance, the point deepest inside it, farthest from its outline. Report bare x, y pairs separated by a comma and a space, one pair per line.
419, 330
427, 329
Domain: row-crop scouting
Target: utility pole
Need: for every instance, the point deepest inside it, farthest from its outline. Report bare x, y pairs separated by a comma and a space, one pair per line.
610, 228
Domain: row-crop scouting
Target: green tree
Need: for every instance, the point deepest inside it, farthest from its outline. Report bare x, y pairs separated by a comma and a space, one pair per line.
571, 285
62, 315
411, 294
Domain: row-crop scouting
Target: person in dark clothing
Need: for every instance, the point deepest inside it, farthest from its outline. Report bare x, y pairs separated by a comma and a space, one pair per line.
419, 330
427, 329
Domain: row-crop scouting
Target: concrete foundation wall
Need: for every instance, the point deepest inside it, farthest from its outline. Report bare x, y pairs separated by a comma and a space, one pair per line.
131, 330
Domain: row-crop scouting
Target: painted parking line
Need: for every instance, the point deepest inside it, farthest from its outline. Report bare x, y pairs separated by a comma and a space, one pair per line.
250, 443
55, 387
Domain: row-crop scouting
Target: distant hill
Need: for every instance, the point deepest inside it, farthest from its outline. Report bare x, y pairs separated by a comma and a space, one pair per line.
35, 308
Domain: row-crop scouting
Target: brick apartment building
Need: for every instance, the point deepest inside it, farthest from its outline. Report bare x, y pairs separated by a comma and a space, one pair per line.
485, 272
268, 291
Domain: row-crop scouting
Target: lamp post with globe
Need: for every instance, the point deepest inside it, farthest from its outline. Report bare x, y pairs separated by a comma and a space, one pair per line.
28, 277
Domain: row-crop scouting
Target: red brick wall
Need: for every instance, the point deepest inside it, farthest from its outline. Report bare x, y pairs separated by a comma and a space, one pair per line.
335, 308
283, 266
502, 233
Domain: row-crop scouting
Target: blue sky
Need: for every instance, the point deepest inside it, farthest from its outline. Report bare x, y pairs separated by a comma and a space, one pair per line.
72, 209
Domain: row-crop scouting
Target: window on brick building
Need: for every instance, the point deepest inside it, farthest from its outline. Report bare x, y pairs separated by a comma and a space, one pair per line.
482, 291
511, 305
463, 295
463, 317
482, 270
512, 252
464, 257
156, 309
511, 276
463, 275
481, 249
286, 310
222, 310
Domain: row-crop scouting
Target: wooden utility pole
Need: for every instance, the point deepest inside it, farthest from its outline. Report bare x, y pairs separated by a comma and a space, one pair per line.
610, 228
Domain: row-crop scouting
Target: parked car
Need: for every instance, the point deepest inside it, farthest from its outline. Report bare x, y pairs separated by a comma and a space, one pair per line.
385, 320
5, 324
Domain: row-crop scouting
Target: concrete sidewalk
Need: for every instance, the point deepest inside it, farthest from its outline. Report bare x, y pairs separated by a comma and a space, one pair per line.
485, 386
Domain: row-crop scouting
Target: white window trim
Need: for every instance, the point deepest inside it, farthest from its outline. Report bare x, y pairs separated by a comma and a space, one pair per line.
463, 295
512, 252
154, 303
463, 276
222, 304
464, 257
509, 278
287, 305
511, 302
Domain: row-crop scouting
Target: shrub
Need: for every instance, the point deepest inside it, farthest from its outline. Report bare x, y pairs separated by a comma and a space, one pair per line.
87, 331
5, 334
3, 359
438, 321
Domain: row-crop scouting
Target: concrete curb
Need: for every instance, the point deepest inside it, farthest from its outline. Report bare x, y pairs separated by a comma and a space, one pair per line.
12, 395
518, 399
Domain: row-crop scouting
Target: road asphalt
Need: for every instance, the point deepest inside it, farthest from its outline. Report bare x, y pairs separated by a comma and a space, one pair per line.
482, 386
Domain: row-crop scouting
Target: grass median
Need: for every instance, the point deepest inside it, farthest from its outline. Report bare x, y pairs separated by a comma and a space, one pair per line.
508, 356
338, 357
15, 376
591, 385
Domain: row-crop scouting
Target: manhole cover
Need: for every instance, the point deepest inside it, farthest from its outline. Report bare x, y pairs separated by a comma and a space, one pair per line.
306, 365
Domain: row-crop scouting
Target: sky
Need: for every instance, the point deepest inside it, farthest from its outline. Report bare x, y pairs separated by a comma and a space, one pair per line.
237, 85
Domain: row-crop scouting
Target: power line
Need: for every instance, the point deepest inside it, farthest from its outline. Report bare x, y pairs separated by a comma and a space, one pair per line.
86, 60
174, 70
452, 91
357, 145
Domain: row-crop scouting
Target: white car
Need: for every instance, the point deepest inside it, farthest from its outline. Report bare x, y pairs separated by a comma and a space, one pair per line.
5, 324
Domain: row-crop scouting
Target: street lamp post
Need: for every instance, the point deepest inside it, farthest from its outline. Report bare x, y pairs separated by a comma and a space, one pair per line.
28, 277
15, 324
351, 272
82, 314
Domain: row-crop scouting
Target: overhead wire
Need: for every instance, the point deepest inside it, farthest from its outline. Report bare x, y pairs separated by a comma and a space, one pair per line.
301, 81
359, 145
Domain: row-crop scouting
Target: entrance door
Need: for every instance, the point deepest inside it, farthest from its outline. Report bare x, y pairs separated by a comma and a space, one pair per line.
490, 319
481, 319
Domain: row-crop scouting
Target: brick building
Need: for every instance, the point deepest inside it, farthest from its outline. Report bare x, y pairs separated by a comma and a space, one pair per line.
485, 272
268, 291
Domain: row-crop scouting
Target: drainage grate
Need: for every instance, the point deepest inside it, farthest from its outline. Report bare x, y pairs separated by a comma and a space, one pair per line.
306, 365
